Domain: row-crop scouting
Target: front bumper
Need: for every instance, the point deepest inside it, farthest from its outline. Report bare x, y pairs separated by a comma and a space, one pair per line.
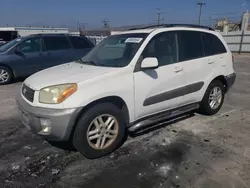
61, 120
230, 80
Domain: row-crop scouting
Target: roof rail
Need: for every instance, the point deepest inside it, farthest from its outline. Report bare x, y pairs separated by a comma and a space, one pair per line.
37, 34
174, 25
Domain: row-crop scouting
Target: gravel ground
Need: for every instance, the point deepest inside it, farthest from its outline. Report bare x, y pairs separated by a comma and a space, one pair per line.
193, 151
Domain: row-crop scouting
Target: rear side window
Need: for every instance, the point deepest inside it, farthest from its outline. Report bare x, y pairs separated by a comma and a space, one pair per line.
190, 45
213, 45
56, 43
79, 43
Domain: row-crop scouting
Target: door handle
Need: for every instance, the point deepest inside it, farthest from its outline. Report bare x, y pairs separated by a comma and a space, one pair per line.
41, 54
223, 62
178, 69
48, 53
210, 62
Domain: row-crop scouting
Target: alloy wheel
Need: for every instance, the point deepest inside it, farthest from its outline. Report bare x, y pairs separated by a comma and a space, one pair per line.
215, 97
102, 131
4, 76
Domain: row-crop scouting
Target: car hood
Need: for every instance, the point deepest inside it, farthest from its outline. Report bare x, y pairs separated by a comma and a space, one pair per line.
66, 73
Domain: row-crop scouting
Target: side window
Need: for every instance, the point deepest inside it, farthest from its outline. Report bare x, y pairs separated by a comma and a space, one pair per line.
164, 47
190, 45
30, 45
79, 43
56, 43
213, 45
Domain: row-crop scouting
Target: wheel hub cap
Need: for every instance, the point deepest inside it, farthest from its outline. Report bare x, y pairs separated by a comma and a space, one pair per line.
102, 131
4, 76
215, 97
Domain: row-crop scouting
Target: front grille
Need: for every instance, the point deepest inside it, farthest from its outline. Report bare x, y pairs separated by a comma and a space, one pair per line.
28, 93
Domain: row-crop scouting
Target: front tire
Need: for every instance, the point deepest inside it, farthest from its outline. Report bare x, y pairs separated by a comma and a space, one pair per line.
5, 75
213, 98
99, 131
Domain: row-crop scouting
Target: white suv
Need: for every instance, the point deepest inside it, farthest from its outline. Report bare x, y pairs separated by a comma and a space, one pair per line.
128, 82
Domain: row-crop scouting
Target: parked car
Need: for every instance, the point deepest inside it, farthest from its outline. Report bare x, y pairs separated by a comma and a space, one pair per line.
26, 55
157, 74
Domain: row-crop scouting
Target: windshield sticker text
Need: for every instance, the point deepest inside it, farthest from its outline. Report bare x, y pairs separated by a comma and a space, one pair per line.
133, 40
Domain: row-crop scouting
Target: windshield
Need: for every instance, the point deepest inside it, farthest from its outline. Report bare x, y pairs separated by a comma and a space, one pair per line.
115, 50
8, 45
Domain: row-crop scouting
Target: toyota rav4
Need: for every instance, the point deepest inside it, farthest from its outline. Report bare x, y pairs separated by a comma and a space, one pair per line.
128, 82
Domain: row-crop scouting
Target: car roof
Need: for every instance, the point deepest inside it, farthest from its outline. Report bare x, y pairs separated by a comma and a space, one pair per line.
166, 27
45, 34
52, 35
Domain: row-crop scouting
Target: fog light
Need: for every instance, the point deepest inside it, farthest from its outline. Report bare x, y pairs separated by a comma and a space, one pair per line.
45, 125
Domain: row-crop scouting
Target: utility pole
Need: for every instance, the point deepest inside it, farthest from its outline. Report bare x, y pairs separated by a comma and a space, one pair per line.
201, 4
159, 19
162, 21
78, 26
83, 27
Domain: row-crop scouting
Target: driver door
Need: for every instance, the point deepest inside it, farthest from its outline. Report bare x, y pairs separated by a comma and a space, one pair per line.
28, 57
159, 89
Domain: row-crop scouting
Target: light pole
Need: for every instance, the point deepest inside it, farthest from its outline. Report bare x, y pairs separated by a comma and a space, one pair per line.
158, 16
160, 19
201, 4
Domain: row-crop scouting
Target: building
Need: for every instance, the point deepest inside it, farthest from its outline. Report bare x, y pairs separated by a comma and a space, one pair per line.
24, 31
75, 33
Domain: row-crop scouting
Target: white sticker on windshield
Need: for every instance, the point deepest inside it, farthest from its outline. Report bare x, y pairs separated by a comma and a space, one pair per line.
18, 40
133, 40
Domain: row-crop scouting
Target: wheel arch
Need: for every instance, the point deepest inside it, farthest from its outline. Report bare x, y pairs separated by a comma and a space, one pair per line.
223, 80
117, 101
7, 66
205, 108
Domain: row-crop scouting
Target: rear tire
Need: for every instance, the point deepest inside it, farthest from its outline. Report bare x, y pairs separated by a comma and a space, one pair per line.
213, 98
6, 75
99, 131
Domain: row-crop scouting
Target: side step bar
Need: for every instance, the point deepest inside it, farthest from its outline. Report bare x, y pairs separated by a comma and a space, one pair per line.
162, 116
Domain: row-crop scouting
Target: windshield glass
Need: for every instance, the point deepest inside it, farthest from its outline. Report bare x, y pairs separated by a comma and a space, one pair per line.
115, 50
8, 45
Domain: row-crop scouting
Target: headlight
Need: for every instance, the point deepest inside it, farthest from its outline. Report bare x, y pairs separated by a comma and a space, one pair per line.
56, 94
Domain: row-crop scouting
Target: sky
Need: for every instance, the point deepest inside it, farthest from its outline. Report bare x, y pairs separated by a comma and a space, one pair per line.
118, 12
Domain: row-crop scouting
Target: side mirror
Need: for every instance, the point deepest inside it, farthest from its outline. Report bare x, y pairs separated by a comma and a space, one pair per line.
17, 51
149, 63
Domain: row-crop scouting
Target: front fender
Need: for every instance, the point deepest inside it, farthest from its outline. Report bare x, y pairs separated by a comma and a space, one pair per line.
114, 84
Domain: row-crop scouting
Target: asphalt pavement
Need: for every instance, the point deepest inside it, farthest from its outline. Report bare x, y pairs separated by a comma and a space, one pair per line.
194, 151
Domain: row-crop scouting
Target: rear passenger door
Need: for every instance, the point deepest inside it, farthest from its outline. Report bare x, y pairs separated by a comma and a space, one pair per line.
195, 66
215, 50
81, 46
202, 54
57, 50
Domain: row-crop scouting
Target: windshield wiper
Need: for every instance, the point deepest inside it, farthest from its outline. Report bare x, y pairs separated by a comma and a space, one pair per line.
88, 62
